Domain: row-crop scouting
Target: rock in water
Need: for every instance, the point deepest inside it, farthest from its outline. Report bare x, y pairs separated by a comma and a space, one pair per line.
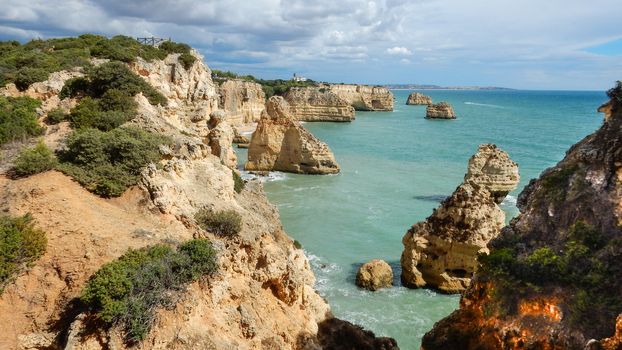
417, 98
441, 252
281, 143
375, 274
318, 104
441, 110
553, 279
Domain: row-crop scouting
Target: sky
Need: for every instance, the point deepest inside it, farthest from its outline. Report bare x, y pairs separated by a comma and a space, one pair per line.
525, 44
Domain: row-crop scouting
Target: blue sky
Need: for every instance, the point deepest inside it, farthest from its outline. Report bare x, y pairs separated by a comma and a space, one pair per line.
529, 44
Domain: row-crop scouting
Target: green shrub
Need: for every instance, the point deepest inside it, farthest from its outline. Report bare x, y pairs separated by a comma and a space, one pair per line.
116, 75
173, 47
128, 290
616, 92
187, 60
297, 244
56, 116
225, 223
74, 87
21, 244
107, 163
238, 183
28, 75
586, 235
18, 118
93, 113
34, 160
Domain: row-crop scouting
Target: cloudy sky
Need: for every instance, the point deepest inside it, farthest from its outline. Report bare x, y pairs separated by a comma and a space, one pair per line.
532, 44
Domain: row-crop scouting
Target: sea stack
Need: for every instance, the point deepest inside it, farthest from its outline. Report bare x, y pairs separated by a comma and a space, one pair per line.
441, 110
441, 252
553, 278
417, 98
281, 143
374, 275
316, 104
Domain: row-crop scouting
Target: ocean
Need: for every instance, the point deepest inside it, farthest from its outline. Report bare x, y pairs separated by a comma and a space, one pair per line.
395, 168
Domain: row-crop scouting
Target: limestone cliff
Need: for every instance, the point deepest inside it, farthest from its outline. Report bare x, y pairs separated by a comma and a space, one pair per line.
318, 104
365, 97
242, 100
441, 252
281, 143
262, 296
441, 110
553, 279
417, 98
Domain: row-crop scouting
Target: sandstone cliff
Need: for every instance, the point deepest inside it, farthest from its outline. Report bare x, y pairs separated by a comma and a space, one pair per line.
262, 296
318, 104
281, 143
441, 252
441, 110
365, 97
417, 98
243, 101
553, 279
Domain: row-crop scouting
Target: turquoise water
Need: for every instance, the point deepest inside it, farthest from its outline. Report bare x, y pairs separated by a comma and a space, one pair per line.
396, 167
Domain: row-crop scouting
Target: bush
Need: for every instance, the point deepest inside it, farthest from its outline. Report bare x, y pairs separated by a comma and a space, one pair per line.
225, 223
18, 118
616, 92
34, 160
56, 116
21, 244
74, 87
128, 290
101, 113
187, 60
27, 75
116, 75
238, 183
107, 163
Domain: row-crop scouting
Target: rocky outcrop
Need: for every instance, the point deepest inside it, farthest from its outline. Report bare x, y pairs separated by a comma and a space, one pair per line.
493, 169
281, 143
441, 110
262, 296
242, 100
417, 98
374, 275
553, 278
365, 97
318, 104
441, 252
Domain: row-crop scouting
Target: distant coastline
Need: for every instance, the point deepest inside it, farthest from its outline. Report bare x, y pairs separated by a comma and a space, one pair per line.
437, 87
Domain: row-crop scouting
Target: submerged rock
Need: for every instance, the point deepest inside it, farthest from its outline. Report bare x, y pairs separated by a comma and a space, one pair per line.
318, 104
441, 110
374, 274
441, 252
417, 98
281, 143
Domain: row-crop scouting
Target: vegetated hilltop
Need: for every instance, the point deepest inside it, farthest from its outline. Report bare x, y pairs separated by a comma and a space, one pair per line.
125, 223
553, 279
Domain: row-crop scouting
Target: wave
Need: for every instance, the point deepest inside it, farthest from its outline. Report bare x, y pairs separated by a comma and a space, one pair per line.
509, 201
272, 176
483, 104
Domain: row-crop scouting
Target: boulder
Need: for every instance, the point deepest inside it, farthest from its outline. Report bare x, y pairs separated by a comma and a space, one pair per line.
417, 98
441, 252
375, 274
441, 110
281, 143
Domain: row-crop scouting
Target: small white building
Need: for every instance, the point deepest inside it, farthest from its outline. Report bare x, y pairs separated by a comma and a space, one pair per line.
298, 78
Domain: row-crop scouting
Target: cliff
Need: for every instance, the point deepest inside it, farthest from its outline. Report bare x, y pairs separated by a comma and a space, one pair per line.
441, 252
365, 97
553, 278
417, 98
441, 110
281, 143
242, 100
318, 104
261, 296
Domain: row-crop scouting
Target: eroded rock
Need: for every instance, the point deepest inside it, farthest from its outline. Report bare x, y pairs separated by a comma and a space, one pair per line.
441, 110
374, 275
365, 97
417, 98
318, 104
281, 143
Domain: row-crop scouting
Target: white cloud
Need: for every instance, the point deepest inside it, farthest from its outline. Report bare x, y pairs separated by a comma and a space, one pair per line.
399, 50
498, 42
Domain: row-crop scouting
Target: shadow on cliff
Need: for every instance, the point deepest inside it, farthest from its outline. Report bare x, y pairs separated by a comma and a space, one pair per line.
336, 334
